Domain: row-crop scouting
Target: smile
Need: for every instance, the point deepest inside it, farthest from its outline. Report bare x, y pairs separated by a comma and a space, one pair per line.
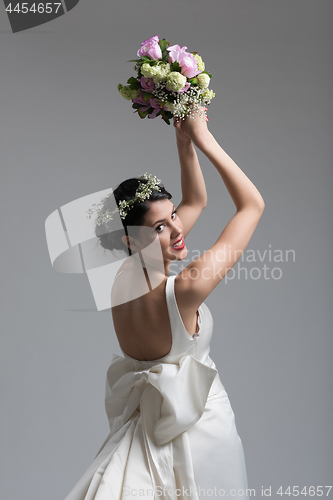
179, 245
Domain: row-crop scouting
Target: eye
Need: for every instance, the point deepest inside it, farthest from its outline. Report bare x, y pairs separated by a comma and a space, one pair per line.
173, 216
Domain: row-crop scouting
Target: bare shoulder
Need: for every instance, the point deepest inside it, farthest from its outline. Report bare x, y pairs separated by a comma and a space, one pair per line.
185, 295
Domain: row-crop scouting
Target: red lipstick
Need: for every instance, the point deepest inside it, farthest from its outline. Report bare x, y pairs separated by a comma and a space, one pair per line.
181, 246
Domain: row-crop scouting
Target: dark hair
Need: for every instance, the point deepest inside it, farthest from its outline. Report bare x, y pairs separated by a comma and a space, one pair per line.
109, 238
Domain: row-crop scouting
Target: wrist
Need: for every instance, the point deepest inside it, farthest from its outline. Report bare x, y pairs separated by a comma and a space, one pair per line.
204, 141
183, 141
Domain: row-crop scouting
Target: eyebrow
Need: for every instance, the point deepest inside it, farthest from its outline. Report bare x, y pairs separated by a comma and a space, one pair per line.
159, 221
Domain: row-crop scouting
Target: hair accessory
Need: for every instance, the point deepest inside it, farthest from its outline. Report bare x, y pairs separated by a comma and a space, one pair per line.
142, 193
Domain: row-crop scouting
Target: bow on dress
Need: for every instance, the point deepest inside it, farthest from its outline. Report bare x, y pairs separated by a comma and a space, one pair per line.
170, 398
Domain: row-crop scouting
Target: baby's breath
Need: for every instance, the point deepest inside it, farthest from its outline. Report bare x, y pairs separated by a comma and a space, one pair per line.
142, 193
183, 103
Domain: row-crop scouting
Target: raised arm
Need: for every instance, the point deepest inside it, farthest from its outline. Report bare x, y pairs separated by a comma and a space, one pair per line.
194, 194
201, 276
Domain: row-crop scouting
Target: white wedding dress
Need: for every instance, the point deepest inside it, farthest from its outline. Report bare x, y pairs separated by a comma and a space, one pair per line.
172, 428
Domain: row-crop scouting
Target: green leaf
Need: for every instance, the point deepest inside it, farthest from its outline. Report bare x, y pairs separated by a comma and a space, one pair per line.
146, 96
206, 73
133, 83
175, 67
143, 114
165, 56
163, 44
136, 106
193, 80
166, 115
132, 80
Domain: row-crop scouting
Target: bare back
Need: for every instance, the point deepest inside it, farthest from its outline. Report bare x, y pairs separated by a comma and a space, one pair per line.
143, 326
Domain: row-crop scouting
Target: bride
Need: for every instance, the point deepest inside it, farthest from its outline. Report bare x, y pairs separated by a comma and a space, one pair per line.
172, 427
142, 325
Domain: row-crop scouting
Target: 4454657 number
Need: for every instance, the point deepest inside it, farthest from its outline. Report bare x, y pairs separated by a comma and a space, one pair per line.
36, 8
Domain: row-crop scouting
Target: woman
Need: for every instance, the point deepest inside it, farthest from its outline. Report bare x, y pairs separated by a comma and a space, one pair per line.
172, 428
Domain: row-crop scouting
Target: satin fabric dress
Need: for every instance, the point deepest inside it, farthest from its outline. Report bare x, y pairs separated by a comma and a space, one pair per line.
172, 428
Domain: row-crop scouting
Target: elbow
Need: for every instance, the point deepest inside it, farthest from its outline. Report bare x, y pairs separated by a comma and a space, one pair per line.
261, 205
258, 206
202, 202
261, 208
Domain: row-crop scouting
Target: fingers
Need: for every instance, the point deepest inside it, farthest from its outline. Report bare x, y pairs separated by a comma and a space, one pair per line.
187, 124
177, 123
200, 113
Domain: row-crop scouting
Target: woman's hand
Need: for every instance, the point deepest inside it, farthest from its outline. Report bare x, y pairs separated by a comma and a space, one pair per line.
190, 129
182, 137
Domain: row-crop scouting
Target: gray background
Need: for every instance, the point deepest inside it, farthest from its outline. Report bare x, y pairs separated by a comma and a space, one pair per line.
66, 132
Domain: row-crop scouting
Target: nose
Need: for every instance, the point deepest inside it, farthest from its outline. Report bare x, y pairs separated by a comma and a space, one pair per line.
177, 228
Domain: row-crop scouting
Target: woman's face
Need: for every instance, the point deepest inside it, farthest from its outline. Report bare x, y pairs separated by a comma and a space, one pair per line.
162, 218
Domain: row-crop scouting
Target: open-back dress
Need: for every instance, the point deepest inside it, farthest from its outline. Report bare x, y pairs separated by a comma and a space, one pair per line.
172, 428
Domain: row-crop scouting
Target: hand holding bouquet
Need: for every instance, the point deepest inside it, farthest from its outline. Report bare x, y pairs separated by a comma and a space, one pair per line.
170, 82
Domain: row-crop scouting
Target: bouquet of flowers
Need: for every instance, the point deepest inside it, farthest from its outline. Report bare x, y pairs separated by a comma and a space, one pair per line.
170, 82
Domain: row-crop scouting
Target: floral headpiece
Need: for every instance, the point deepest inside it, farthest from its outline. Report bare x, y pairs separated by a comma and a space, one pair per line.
142, 193
169, 82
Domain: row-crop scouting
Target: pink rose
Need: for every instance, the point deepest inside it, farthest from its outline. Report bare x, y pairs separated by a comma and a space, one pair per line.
186, 61
185, 88
147, 84
145, 105
150, 48
140, 100
175, 51
153, 114
156, 105
189, 65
